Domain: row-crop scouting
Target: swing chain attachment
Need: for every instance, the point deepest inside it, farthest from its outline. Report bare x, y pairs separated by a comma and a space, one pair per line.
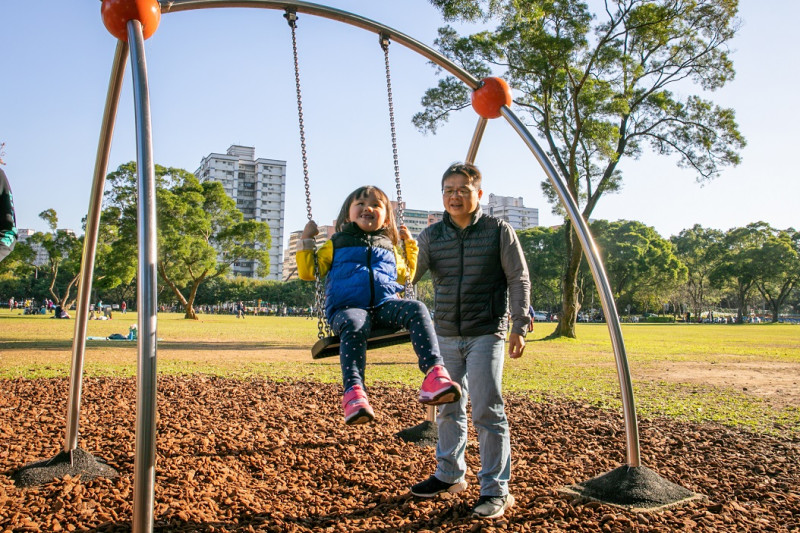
385, 41
291, 18
323, 328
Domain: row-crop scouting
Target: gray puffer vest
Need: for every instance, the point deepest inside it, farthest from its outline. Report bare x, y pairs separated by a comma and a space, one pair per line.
471, 296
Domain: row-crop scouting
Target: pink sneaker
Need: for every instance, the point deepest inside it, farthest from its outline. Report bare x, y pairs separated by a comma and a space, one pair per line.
356, 407
437, 387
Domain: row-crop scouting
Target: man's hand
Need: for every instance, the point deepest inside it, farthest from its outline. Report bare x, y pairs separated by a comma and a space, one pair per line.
516, 345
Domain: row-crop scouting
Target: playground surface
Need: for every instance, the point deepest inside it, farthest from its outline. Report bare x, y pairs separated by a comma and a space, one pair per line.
250, 433
262, 455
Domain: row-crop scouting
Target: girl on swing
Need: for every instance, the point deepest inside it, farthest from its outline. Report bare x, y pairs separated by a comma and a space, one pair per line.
364, 271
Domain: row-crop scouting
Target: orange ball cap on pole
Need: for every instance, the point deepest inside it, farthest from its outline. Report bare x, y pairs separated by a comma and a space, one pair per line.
117, 13
493, 94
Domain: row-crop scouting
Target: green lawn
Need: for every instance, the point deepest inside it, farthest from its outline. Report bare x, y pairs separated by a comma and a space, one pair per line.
583, 370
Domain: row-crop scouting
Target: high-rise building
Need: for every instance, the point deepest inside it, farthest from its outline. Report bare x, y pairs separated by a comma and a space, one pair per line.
259, 188
512, 210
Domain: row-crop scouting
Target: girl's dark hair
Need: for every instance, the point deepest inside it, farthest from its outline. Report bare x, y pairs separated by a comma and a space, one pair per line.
390, 229
467, 170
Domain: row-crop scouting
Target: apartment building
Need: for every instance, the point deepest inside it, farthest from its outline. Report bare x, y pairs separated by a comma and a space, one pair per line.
513, 211
259, 188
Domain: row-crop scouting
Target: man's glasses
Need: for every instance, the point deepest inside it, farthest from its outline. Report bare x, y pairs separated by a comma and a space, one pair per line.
461, 191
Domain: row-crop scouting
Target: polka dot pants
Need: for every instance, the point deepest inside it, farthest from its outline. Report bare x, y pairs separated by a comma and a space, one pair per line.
354, 326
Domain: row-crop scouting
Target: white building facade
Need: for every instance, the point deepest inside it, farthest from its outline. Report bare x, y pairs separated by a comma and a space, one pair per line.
513, 211
259, 188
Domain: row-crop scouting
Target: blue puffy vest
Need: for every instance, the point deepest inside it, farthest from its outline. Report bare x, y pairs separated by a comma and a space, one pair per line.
363, 271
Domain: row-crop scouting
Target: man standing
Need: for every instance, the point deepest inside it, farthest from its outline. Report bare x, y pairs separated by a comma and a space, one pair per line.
8, 222
478, 268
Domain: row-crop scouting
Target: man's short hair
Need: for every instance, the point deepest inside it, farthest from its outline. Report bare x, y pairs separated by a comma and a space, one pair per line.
467, 170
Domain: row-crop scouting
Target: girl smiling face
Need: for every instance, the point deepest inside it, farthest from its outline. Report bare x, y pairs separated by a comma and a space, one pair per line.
368, 212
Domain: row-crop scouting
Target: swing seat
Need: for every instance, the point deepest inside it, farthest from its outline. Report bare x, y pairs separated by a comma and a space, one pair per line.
380, 338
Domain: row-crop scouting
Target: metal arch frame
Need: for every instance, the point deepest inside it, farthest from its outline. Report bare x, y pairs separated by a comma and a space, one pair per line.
144, 461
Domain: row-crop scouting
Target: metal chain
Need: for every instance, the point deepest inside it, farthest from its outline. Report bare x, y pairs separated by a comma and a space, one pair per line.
323, 328
384, 40
291, 18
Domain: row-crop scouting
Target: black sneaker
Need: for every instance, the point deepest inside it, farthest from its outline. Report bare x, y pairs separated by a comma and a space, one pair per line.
492, 506
433, 486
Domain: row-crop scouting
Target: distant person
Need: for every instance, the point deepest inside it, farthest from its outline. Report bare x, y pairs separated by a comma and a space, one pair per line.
364, 271
8, 220
123, 307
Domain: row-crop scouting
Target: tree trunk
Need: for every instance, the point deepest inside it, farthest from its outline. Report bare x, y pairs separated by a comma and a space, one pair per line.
189, 305
67, 302
570, 305
741, 309
775, 303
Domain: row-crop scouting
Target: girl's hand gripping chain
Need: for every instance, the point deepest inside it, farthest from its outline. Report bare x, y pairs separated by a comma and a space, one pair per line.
310, 231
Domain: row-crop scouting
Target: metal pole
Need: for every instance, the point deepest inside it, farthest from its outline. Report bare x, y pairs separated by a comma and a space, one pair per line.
480, 127
430, 415
90, 246
145, 456
601, 281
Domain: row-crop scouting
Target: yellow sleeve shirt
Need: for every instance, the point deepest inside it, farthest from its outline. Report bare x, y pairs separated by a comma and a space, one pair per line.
407, 267
305, 259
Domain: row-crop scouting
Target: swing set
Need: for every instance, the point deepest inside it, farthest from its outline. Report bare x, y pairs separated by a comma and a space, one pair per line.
328, 343
133, 21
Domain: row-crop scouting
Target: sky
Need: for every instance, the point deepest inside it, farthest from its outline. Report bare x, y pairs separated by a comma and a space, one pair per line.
219, 77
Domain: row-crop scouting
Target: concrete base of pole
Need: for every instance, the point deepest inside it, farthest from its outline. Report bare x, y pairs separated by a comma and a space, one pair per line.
635, 488
75, 463
424, 434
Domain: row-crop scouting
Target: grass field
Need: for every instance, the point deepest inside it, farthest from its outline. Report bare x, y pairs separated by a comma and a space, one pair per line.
736, 375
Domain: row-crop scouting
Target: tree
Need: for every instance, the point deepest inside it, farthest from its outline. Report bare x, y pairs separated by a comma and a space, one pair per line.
739, 265
599, 89
700, 250
423, 290
544, 253
19, 263
17, 271
114, 270
640, 264
779, 267
201, 233
64, 252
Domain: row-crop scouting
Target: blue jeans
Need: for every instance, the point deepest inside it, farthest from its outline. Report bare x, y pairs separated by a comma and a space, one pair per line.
476, 363
354, 325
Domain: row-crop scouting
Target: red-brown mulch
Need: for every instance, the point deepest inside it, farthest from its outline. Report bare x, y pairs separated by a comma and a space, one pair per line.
259, 455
